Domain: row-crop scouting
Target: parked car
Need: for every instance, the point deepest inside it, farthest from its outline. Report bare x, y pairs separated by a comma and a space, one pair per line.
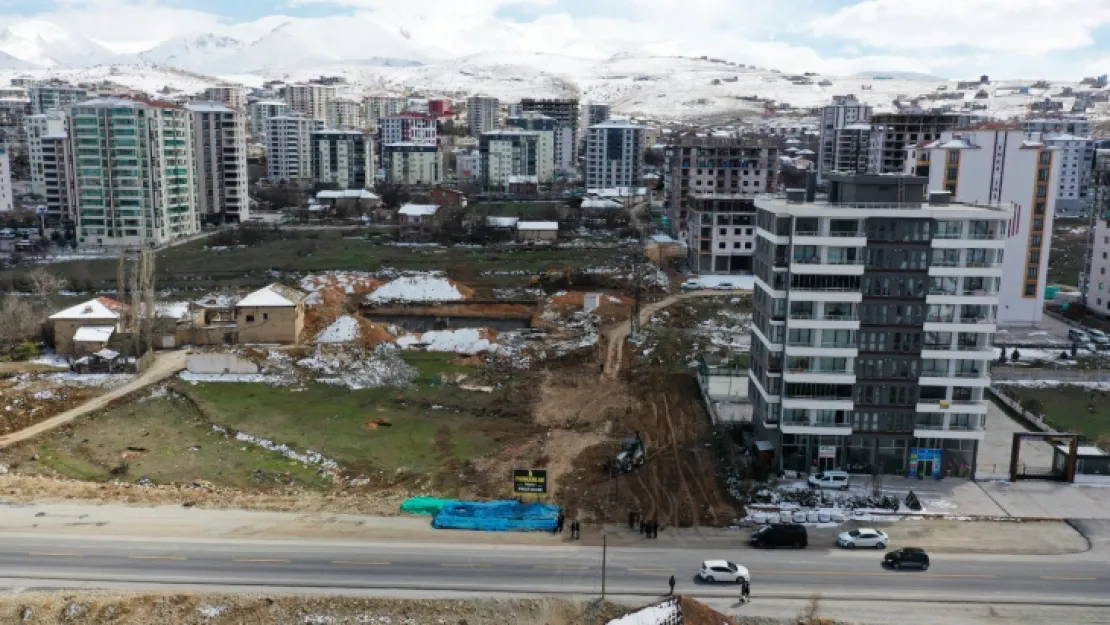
863, 537
724, 286
907, 558
784, 535
829, 479
1076, 334
693, 284
723, 571
1099, 338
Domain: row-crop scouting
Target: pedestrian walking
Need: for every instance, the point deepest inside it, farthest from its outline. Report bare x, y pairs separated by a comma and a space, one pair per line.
631, 520
574, 530
559, 523
655, 529
745, 591
671, 582
642, 522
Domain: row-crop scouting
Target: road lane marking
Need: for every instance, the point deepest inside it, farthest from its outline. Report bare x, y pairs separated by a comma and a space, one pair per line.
483, 566
651, 570
358, 563
44, 554
135, 556
547, 567
874, 574
276, 561
1069, 579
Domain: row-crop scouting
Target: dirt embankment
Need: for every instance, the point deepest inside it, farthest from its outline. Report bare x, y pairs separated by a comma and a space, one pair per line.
114, 608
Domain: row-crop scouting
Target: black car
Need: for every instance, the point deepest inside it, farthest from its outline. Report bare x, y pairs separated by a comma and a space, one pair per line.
785, 535
907, 558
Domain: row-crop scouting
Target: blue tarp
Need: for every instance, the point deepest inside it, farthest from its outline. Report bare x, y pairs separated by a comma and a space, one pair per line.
497, 516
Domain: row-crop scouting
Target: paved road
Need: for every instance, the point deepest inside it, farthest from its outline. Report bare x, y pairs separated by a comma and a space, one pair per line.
491, 568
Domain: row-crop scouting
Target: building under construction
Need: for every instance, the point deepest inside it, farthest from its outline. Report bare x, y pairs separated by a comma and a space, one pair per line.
892, 132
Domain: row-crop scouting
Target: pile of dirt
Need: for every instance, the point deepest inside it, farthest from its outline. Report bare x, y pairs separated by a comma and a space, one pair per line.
30, 399
697, 613
611, 307
679, 484
117, 608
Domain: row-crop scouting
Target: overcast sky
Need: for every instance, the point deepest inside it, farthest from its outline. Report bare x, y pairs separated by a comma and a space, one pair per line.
953, 38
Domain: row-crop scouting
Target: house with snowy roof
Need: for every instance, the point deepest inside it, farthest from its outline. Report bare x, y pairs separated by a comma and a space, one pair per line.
419, 219
274, 314
87, 327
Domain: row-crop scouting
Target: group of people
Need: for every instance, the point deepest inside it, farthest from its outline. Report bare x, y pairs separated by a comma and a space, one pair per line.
648, 528
575, 527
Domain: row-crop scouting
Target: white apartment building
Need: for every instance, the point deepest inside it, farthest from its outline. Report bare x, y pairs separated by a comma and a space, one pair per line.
508, 155
482, 114
344, 158
1076, 155
549, 133
48, 152
37, 127
376, 107
415, 128
310, 100
231, 96
220, 149
993, 164
134, 173
412, 163
845, 111
262, 111
614, 155
872, 334
51, 96
6, 199
851, 149
344, 114
468, 165
289, 148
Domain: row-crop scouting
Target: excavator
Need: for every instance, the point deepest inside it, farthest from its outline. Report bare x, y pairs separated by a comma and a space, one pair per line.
633, 454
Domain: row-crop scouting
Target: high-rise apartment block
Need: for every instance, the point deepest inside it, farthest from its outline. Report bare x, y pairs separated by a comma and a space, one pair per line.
376, 107
220, 151
344, 114
566, 114
262, 111
845, 111
310, 100
995, 164
892, 133
134, 173
51, 161
482, 114
412, 163
722, 233
231, 96
615, 155
872, 335
344, 158
702, 165
508, 155
547, 130
1077, 154
52, 96
6, 198
289, 148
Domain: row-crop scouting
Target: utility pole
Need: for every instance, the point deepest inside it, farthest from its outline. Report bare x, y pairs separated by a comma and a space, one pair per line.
604, 552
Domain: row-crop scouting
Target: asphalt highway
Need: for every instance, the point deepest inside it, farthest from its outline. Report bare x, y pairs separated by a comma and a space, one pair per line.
487, 568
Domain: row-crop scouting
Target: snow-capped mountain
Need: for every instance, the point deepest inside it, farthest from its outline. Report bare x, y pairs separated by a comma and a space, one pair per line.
196, 54
43, 44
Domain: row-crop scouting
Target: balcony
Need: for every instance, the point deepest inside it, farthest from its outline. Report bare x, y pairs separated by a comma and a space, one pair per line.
809, 426
819, 375
961, 406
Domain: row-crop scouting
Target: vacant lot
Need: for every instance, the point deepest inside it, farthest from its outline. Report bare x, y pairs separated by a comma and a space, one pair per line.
1069, 245
422, 438
1069, 408
268, 254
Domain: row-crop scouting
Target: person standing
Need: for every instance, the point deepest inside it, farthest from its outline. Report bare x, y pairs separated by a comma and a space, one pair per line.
559, 523
671, 582
745, 591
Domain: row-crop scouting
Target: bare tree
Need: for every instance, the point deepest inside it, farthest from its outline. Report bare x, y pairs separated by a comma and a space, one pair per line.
18, 322
45, 285
808, 615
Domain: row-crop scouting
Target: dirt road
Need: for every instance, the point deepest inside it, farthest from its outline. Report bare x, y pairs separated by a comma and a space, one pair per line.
615, 335
165, 365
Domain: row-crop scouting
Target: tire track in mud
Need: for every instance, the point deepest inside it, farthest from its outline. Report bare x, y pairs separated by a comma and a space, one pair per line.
676, 457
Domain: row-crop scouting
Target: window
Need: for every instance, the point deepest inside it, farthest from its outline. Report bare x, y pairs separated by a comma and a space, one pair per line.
250, 318
1031, 273
748, 245
265, 316
721, 245
1030, 289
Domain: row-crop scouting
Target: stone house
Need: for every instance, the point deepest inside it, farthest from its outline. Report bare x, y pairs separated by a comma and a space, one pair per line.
274, 314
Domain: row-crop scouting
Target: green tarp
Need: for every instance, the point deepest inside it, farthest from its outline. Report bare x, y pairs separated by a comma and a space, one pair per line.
429, 506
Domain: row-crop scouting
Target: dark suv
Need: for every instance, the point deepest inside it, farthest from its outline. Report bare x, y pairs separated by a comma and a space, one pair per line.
785, 535
907, 558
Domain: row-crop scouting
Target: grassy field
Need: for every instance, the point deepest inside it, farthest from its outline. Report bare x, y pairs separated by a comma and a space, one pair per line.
428, 434
524, 210
1068, 250
1071, 408
194, 268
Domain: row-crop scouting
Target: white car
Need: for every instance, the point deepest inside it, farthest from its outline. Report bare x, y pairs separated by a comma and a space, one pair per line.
723, 571
693, 284
830, 479
723, 286
863, 537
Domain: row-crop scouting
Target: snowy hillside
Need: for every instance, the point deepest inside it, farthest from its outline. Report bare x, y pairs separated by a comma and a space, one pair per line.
43, 44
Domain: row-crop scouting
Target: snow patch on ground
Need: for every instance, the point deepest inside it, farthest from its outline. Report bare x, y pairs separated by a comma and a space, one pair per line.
461, 341
100, 380
417, 289
242, 378
651, 615
308, 457
342, 330
354, 370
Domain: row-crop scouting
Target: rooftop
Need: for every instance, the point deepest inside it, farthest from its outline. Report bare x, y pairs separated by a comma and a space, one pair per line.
273, 296
99, 308
349, 194
418, 210
537, 225
208, 107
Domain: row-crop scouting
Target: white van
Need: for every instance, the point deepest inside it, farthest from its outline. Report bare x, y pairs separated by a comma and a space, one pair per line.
829, 479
